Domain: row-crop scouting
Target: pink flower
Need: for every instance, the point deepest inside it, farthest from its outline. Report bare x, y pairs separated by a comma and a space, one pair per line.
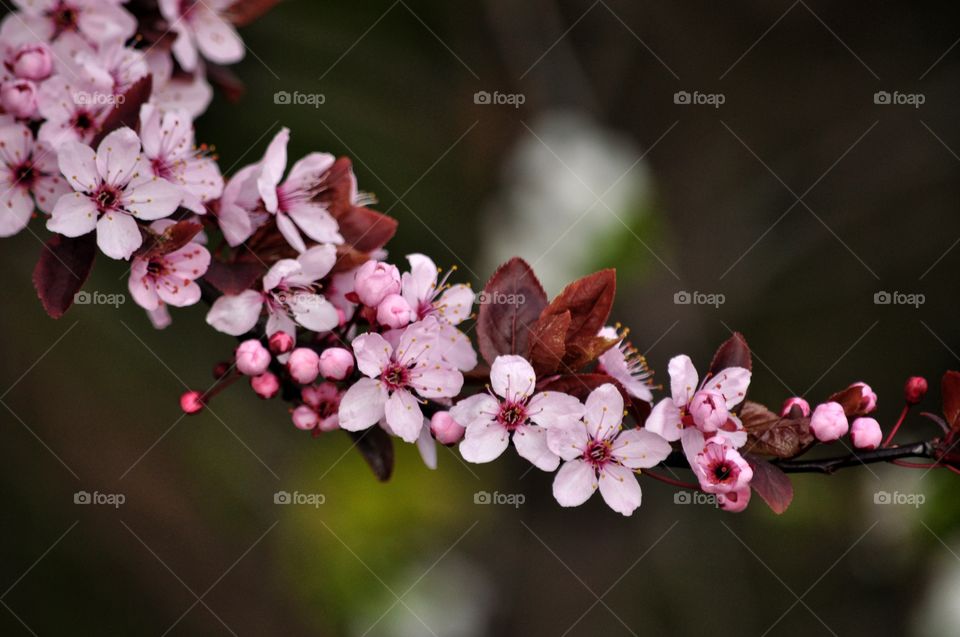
31, 61
512, 407
319, 409
451, 304
627, 366
445, 429
110, 66
169, 150
866, 433
304, 365
394, 312
19, 98
289, 295
374, 281
111, 186
393, 375
734, 501
672, 416
168, 278
252, 357
598, 452
28, 174
73, 110
94, 21
200, 25
829, 422
266, 385
336, 363
868, 399
721, 469
797, 402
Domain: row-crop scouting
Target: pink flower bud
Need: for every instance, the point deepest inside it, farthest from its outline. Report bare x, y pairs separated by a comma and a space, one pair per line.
305, 418
394, 311
33, 61
709, 410
866, 433
375, 280
266, 385
915, 389
829, 422
252, 358
445, 429
336, 363
304, 365
19, 98
868, 399
281, 343
734, 501
191, 402
795, 401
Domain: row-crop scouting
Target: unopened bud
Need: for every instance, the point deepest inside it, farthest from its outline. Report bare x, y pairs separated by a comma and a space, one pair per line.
191, 402
797, 402
445, 429
915, 389
252, 358
304, 365
281, 343
336, 363
266, 385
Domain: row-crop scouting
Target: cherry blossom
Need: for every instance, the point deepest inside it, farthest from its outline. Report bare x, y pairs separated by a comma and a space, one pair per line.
598, 452
627, 366
395, 375
202, 29
720, 468
168, 147
93, 20
29, 178
112, 193
168, 278
289, 295
513, 407
73, 110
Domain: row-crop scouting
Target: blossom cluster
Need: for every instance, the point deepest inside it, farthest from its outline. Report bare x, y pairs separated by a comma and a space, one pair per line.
97, 106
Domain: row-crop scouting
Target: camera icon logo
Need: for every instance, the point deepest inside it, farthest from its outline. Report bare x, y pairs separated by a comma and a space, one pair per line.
282, 497
482, 497
82, 497
682, 298
482, 97
282, 97
882, 298
681, 97
882, 497
82, 298
881, 97
682, 497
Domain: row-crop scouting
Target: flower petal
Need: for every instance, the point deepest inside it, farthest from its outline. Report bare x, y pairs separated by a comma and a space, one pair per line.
554, 409
619, 488
640, 449
531, 444
512, 377
362, 406
603, 411
664, 420
236, 315
74, 215
574, 483
118, 235
484, 443
476, 411
732, 382
404, 416
683, 379
373, 353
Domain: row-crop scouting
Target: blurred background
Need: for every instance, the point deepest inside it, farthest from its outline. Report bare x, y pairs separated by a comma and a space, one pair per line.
739, 150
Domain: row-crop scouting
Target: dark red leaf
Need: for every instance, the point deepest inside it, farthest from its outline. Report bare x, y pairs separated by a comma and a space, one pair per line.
734, 352
770, 435
244, 12
62, 269
771, 484
127, 111
851, 399
233, 278
171, 239
366, 230
589, 301
950, 388
510, 304
336, 190
548, 343
376, 447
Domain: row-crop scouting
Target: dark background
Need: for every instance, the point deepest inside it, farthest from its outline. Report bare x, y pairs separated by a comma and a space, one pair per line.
91, 400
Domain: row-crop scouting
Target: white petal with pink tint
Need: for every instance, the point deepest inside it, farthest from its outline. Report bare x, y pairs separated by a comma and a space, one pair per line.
619, 488
531, 444
683, 379
372, 352
362, 406
732, 382
78, 163
316, 222
554, 409
456, 304
484, 443
427, 446
216, 38
640, 449
664, 420
117, 156
236, 315
434, 380
404, 416
289, 230
568, 442
308, 171
16, 207
512, 377
574, 483
455, 347
151, 199
603, 411
118, 235
271, 169
73, 215
313, 312
476, 411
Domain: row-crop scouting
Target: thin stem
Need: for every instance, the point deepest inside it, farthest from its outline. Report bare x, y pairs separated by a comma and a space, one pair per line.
896, 427
671, 481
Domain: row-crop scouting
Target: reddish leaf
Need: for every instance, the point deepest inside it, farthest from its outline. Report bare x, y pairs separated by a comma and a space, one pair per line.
61, 270
771, 435
127, 111
589, 301
510, 304
734, 352
771, 484
244, 12
349, 258
548, 343
950, 388
233, 278
366, 230
851, 399
171, 239
580, 386
582, 353
376, 447
336, 190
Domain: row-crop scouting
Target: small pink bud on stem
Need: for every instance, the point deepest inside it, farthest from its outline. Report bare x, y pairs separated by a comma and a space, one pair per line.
191, 402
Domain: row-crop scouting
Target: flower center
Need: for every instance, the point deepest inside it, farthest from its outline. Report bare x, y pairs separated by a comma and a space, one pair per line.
162, 169
598, 453
64, 18
82, 121
722, 471
24, 175
512, 414
107, 197
395, 376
